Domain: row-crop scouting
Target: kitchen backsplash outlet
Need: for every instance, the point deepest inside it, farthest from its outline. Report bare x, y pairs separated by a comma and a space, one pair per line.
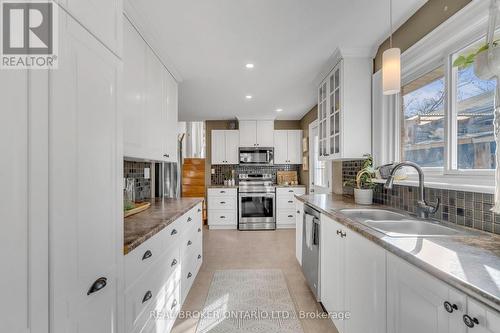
218, 177
463, 208
132, 169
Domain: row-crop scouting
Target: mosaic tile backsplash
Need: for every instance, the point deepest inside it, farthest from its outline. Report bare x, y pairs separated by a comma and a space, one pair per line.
135, 170
222, 170
463, 208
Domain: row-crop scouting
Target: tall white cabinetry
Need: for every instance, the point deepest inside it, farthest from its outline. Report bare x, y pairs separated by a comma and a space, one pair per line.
344, 109
150, 104
85, 170
288, 147
225, 146
256, 133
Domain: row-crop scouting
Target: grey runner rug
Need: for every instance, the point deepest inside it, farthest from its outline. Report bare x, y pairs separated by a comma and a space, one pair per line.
244, 301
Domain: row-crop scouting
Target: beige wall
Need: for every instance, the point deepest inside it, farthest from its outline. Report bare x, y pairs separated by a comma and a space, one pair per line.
426, 19
308, 118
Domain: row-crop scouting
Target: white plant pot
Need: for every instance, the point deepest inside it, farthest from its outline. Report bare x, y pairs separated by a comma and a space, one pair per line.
485, 66
363, 196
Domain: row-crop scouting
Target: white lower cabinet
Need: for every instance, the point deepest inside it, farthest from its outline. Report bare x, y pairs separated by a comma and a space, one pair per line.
222, 208
285, 206
352, 279
160, 273
299, 221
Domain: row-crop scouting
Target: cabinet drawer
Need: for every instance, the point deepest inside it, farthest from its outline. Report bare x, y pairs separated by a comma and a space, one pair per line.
164, 316
161, 281
287, 204
290, 191
286, 217
221, 217
189, 271
222, 203
192, 243
222, 192
142, 258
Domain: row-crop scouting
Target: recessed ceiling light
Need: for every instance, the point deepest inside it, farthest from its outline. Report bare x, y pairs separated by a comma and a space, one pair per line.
249, 66
248, 97
279, 110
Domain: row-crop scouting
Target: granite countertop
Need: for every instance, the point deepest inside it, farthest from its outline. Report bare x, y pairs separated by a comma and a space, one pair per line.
222, 186
470, 263
140, 227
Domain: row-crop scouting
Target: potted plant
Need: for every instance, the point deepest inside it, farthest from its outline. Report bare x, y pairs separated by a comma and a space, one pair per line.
486, 60
363, 184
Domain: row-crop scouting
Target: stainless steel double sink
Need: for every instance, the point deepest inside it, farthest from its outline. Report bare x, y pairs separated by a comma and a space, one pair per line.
395, 224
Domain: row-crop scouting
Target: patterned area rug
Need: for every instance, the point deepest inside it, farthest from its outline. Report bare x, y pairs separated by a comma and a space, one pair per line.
244, 301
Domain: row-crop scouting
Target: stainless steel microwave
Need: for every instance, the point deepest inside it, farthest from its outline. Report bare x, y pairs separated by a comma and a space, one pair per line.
256, 156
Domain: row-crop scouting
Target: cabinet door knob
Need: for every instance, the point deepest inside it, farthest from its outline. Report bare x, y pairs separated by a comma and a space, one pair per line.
469, 321
343, 234
174, 262
99, 284
339, 232
199, 256
450, 307
199, 229
189, 243
298, 212
147, 296
174, 232
199, 210
189, 275
166, 155
148, 254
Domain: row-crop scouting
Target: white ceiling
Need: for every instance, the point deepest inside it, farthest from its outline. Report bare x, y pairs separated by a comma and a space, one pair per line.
206, 44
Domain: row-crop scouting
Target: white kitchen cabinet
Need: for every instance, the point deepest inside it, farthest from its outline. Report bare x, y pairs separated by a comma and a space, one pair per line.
286, 206
85, 173
150, 107
365, 296
256, 133
415, 301
103, 18
353, 277
299, 221
344, 109
488, 320
333, 269
222, 208
288, 147
225, 145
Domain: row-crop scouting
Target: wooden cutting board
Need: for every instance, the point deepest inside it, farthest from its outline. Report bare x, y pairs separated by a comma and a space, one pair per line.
289, 177
139, 207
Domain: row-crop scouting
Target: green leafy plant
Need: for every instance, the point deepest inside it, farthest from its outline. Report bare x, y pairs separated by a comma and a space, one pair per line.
364, 177
464, 61
128, 206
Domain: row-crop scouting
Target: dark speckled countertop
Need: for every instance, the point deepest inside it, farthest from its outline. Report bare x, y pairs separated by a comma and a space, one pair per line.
140, 227
470, 263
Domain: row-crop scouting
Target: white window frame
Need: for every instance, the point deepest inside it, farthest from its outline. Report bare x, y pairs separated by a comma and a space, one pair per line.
432, 51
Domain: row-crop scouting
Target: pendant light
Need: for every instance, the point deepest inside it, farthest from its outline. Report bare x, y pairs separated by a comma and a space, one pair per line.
391, 65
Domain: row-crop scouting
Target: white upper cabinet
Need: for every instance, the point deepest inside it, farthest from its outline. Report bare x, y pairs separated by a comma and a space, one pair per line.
256, 133
103, 18
288, 147
150, 102
85, 172
225, 145
344, 110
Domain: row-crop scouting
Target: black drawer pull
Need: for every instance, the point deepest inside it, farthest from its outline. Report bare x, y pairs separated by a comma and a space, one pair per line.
99, 284
147, 255
174, 304
222, 217
450, 307
189, 275
290, 201
174, 262
174, 232
290, 215
222, 191
199, 210
166, 155
290, 191
147, 296
339, 232
199, 256
199, 229
470, 322
189, 219
298, 212
189, 243
222, 202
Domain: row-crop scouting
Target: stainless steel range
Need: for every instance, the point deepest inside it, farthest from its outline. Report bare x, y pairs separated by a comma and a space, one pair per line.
257, 202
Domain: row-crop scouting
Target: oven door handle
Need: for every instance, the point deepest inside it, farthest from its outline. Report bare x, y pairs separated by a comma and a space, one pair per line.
253, 195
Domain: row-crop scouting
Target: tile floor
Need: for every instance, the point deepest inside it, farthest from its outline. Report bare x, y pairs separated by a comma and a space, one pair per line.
231, 249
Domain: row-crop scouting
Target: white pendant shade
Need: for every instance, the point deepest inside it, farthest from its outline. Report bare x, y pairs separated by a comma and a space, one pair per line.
391, 71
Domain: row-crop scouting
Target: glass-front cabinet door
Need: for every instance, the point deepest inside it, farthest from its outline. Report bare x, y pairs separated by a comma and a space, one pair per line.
329, 114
